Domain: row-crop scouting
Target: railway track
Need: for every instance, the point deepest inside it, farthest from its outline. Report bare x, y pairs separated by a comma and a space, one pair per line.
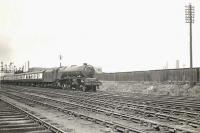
156, 101
137, 97
121, 105
154, 124
159, 101
114, 125
14, 119
181, 109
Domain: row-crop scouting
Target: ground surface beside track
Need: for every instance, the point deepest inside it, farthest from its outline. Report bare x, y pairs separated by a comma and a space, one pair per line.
103, 102
156, 88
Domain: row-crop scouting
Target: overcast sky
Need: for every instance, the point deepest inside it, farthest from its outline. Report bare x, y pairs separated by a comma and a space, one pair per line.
117, 35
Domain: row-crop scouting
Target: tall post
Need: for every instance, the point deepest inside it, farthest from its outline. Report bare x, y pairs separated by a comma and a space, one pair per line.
189, 17
14, 69
60, 57
28, 65
23, 68
6, 68
10, 67
2, 66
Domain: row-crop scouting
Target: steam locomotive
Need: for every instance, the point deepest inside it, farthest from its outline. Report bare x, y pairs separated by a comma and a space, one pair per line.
73, 77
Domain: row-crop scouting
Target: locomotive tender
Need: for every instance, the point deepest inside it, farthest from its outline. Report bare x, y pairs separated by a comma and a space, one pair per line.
73, 77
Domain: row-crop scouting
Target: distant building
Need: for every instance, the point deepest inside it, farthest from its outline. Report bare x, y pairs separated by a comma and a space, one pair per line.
166, 65
177, 64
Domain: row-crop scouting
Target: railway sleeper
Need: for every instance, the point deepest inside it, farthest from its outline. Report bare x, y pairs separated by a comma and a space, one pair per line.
118, 115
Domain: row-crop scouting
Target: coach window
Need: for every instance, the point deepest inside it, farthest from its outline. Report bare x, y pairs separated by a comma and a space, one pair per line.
37, 76
40, 75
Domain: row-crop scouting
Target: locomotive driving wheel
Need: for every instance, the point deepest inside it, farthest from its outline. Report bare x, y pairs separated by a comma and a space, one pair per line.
84, 89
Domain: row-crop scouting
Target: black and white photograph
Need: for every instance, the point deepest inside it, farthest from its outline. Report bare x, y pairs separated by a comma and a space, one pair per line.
99, 66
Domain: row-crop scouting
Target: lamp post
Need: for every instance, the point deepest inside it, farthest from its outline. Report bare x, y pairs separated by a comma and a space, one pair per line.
189, 18
60, 57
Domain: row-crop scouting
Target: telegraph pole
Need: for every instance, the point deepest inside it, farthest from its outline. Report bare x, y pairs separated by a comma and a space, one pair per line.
28, 65
2, 66
6, 68
189, 17
60, 57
